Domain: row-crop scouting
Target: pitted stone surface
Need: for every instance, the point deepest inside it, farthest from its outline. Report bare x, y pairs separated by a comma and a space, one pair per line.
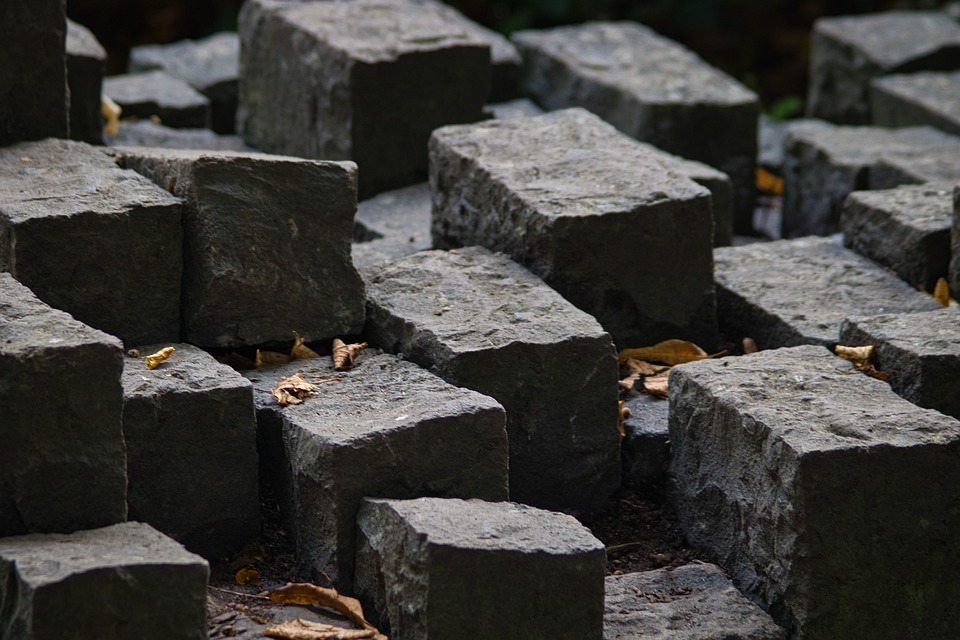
926, 98
808, 480
86, 64
572, 199
123, 581
646, 446
155, 93
392, 225
793, 292
436, 568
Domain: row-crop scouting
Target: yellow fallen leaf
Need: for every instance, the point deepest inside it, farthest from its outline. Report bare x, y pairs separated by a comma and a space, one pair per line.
301, 629
154, 359
111, 115
621, 420
311, 594
941, 292
295, 389
247, 576
345, 354
301, 351
669, 352
271, 358
860, 357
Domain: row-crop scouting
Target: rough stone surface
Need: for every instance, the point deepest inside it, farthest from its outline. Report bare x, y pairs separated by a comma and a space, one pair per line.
127, 581
436, 568
513, 109
73, 226
793, 292
392, 225
812, 484
650, 88
572, 199
155, 93
954, 277
692, 602
315, 79
927, 98
480, 321
920, 353
143, 133
645, 450
267, 244
906, 229
848, 52
62, 463
190, 431
938, 162
385, 428
86, 64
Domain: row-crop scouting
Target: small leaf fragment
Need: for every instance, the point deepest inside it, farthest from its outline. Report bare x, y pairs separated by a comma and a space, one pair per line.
154, 359
656, 385
301, 351
295, 389
271, 358
749, 346
941, 292
860, 358
624, 413
110, 111
301, 629
669, 352
345, 354
247, 576
636, 369
768, 183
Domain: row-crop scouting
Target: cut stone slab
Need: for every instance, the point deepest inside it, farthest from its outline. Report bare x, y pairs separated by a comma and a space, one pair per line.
190, 430
513, 109
267, 244
920, 353
926, 98
650, 88
143, 133
646, 446
847, 52
792, 292
385, 428
954, 276
392, 225
937, 163
125, 581
480, 321
436, 568
906, 229
210, 65
98, 242
315, 77
692, 602
155, 93
589, 210
63, 463
808, 480
86, 65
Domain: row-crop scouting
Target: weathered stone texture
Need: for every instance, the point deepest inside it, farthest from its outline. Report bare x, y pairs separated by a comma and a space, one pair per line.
143, 133
645, 449
938, 162
154, 93
513, 109
926, 98
391, 226
86, 64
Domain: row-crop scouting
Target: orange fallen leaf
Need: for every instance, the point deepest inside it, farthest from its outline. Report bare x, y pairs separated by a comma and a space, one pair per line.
301, 351
295, 389
271, 358
669, 352
311, 594
154, 360
860, 358
941, 292
247, 576
301, 629
769, 183
621, 420
657, 385
345, 354
637, 369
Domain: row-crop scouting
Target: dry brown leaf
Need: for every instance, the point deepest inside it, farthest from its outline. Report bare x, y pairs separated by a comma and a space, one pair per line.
669, 352
311, 594
301, 351
295, 389
110, 111
345, 354
637, 369
941, 292
301, 629
749, 345
621, 420
657, 385
271, 358
769, 183
247, 576
860, 358
154, 359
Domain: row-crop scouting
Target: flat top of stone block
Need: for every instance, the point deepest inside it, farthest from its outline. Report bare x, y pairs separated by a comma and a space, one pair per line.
492, 526
152, 86
188, 369
636, 59
569, 163
513, 109
502, 51
144, 133
81, 42
855, 145
213, 155
49, 558
926, 207
815, 401
923, 164
200, 63
931, 333
691, 168
937, 90
473, 300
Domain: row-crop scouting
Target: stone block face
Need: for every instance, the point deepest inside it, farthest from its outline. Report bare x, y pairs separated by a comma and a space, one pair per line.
919, 352
127, 581
315, 78
190, 431
646, 445
847, 52
656, 91
480, 321
793, 292
935, 163
954, 277
143, 133
72, 226
86, 64
906, 229
806, 480
154, 93
514, 109
927, 98
434, 568
391, 226
267, 244
63, 462
695, 601
33, 72
572, 199
385, 428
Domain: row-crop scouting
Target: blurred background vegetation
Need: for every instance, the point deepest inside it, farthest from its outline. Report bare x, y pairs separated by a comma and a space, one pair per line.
764, 43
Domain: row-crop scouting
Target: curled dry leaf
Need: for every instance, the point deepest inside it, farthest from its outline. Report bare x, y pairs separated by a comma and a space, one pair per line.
271, 358
247, 576
669, 352
345, 354
311, 594
295, 389
941, 292
154, 359
656, 385
301, 629
111, 115
637, 369
301, 351
860, 357
623, 415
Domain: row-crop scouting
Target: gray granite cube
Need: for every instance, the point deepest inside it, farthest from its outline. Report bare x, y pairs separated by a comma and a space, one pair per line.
808, 480
63, 465
101, 243
267, 244
847, 52
513, 109
190, 430
937, 162
645, 449
385, 428
793, 292
589, 210
127, 581
954, 272
155, 93
926, 98
650, 88
434, 568
144, 133
365, 80
392, 225
86, 64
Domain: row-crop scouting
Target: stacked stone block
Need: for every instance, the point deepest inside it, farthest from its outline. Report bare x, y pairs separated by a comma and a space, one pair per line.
156, 94
86, 64
928, 98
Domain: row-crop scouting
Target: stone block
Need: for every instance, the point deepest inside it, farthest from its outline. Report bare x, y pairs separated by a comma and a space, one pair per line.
935, 163
127, 581
62, 464
906, 229
385, 428
33, 71
847, 52
793, 292
434, 568
392, 225
210, 65
86, 64
143, 133
954, 272
929, 98
808, 481
692, 602
316, 76
589, 210
190, 431
513, 109
267, 244
919, 352
154, 93
650, 88
481, 321
645, 449
98, 242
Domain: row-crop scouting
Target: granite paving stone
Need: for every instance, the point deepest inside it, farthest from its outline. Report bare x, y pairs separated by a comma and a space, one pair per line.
924, 98
86, 65
155, 93
645, 449
144, 133
392, 225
